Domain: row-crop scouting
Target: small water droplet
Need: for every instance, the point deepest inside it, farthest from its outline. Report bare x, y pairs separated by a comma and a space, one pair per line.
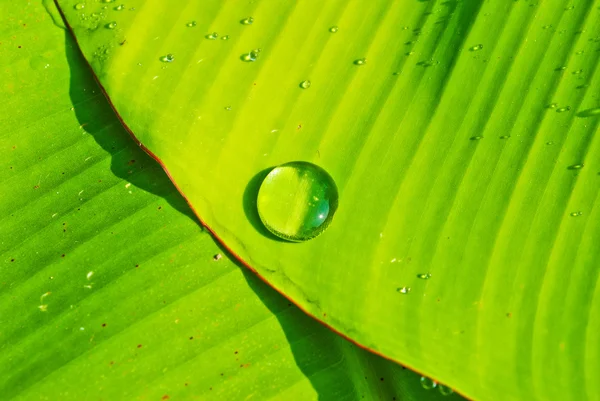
212, 36
360, 61
589, 112
297, 201
228, 108
577, 72
579, 53
111, 25
424, 276
547, 26
108, 1
504, 137
120, 8
247, 21
549, 143
305, 84
333, 29
225, 37
403, 290
552, 106
575, 167
445, 390
476, 138
576, 214
427, 383
476, 48
560, 68
251, 56
569, 8
167, 58
79, 6
191, 24
563, 109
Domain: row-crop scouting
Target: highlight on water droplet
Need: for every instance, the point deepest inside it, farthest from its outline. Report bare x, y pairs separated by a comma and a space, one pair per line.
424, 276
120, 7
575, 166
576, 214
476, 48
445, 390
360, 61
251, 56
427, 383
563, 109
403, 290
297, 201
333, 29
212, 36
247, 21
305, 84
111, 25
593, 112
191, 24
79, 6
167, 58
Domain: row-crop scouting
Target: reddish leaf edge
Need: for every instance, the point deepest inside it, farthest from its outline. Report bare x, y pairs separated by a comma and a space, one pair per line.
216, 236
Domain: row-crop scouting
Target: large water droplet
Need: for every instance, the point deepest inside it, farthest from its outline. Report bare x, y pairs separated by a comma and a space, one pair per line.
360, 61
297, 201
333, 29
111, 25
251, 56
79, 6
445, 390
167, 58
305, 84
247, 21
427, 383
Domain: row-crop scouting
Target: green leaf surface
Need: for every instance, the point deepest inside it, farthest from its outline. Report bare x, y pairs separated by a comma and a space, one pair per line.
109, 288
461, 148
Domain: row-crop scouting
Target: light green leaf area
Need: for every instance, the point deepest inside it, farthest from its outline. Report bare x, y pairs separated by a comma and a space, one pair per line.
461, 136
109, 288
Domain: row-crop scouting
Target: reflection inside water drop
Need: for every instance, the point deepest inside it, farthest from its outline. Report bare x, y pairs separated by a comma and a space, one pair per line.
297, 201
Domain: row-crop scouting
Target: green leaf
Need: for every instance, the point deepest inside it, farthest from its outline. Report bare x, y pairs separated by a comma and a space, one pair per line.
452, 144
109, 289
